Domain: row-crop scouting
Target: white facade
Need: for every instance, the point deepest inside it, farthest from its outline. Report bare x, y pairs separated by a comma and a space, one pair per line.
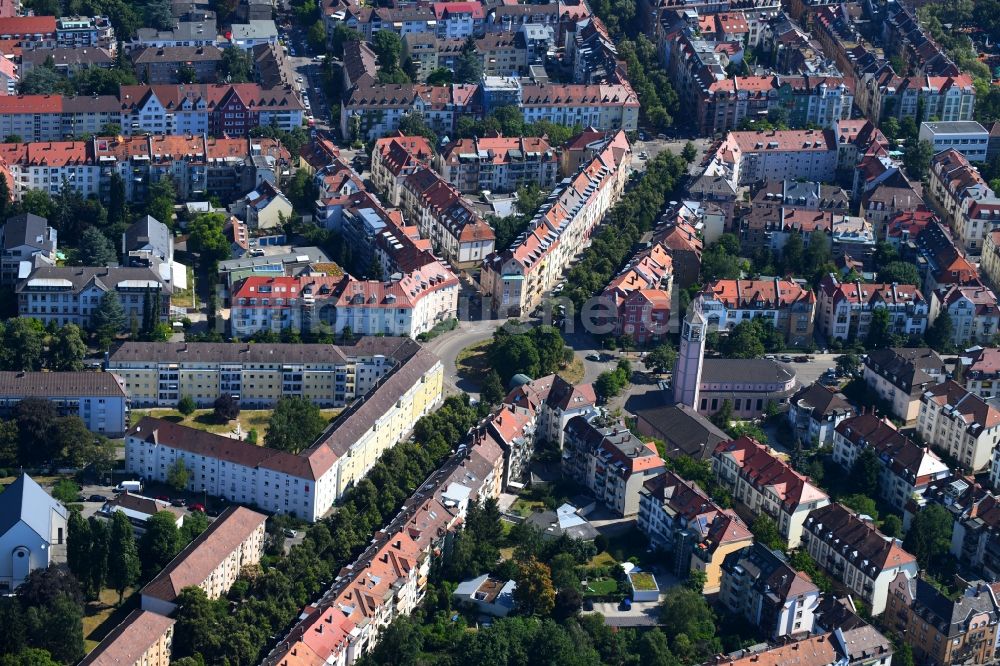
959, 422
966, 136
39, 523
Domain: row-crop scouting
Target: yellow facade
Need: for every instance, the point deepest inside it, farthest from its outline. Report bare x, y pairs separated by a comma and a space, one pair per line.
713, 567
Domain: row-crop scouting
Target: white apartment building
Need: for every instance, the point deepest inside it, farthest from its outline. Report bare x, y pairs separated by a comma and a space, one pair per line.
844, 309
851, 550
98, 398
964, 198
56, 117
768, 485
213, 561
901, 375
981, 371
69, 295
966, 136
517, 278
602, 106
746, 158
905, 469
959, 422
975, 314
305, 484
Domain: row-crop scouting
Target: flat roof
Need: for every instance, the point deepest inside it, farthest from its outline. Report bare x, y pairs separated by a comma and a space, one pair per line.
955, 127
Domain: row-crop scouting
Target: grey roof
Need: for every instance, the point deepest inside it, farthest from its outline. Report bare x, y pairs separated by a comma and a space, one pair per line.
204, 30
257, 29
906, 368
951, 616
311, 254
548, 523
77, 278
955, 127
351, 424
823, 400
173, 54
15, 384
685, 430
25, 229
749, 370
148, 232
26, 500
399, 349
65, 55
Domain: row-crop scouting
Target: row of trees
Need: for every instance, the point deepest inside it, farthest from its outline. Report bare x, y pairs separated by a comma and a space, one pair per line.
47, 80
37, 435
624, 224
216, 632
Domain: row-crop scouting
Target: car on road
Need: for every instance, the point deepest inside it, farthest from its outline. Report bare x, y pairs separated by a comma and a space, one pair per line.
593, 357
801, 359
97, 498
298, 79
785, 358
197, 507
291, 534
180, 501
162, 498
643, 155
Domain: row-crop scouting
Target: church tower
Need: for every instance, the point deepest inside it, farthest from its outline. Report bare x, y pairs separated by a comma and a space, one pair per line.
687, 373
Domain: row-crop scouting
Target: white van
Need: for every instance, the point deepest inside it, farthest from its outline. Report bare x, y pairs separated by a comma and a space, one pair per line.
129, 486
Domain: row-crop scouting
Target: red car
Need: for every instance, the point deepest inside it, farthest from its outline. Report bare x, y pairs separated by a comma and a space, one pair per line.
163, 498
197, 507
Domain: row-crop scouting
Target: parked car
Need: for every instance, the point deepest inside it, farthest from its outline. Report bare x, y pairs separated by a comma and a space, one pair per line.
197, 507
97, 498
785, 358
593, 357
162, 498
180, 501
801, 359
291, 534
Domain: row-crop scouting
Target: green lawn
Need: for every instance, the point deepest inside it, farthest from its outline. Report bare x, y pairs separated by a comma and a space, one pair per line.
204, 419
525, 507
632, 543
600, 587
471, 362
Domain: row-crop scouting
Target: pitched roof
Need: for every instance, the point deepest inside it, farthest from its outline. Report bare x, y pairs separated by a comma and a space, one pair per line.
860, 542
25, 500
684, 431
25, 229
127, 642
822, 400
23, 384
202, 556
975, 412
765, 470
902, 456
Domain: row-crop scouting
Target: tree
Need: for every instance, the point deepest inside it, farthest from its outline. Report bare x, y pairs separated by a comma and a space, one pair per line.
159, 544
848, 363
123, 556
744, 341
765, 531
690, 152
441, 76
661, 359
793, 253
38, 202
387, 48
34, 418
653, 650
236, 65
316, 36
492, 392
187, 74
207, 238
469, 63
108, 318
724, 416
186, 405
67, 349
5, 203
917, 156
900, 272
78, 547
24, 347
414, 124
227, 408
892, 526
865, 473
28, 657
534, 594
160, 205
118, 213
65, 491
97, 569
929, 536
879, 332
178, 475
95, 249
513, 354
295, 424
941, 334
685, 612
58, 629
696, 580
